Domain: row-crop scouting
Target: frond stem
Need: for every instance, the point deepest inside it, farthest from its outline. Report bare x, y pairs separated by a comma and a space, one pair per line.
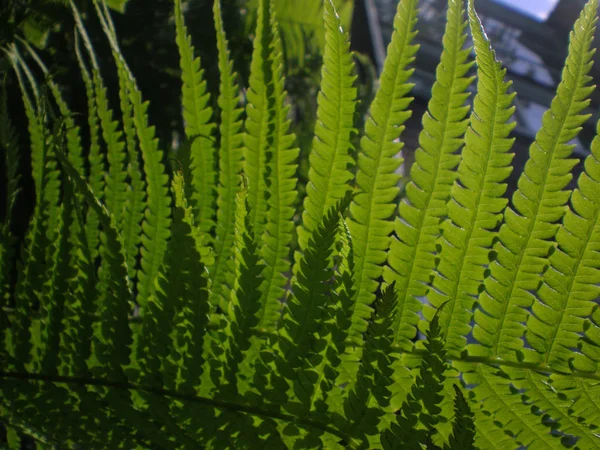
300, 421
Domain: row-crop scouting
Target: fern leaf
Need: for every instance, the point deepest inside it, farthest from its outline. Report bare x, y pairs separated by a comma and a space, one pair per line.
95, 157
256, 126
539, 203
115, 186
35, 129
197, 116
57, 286
302, 361
24, 330
378, 162
230, 162
186, 286
495, 393
411, 255
312, 288
375, 373
580, 396
463, 425
74, 147
476, 202
157, 215
568, 294
182, 287
246, 295
277, 235
113, 346
554, 409
83, 293
135, 202
420, 413
330, 158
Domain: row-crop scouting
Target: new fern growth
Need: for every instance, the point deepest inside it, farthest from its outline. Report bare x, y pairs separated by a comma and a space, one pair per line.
150, 307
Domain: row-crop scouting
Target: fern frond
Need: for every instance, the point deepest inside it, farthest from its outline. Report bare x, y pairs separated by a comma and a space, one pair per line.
476, 202
245, 297
378, 163
374, 375
181, 301
84, 292
582, 398
197, 116
330, 158
463, 425
112, 347
35, 129
411, 257
157, 215
230, 163
135, 202
185, 284
256, 126
281, 191
25, 329
311, 288
301, 366
115, 189
419, 415
554, 409
74, 147
496, 395
570, 289
539, 203
95, 156
56, 289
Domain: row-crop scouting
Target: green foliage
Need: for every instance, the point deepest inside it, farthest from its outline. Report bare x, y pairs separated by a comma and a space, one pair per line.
35, 20
161, 299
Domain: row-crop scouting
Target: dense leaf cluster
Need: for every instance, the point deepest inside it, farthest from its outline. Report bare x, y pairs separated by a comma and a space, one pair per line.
191, 298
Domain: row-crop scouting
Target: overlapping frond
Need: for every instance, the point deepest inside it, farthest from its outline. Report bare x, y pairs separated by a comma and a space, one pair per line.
375, 374
570, 288
186, 285
378, 163
230, 163
411, 256
157, 220
531, 222
312, 290
418, 417
74, 147
246, 294
115, 192
197, 116
476, 202
96, 158
112, 345
463, 425
25, 339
